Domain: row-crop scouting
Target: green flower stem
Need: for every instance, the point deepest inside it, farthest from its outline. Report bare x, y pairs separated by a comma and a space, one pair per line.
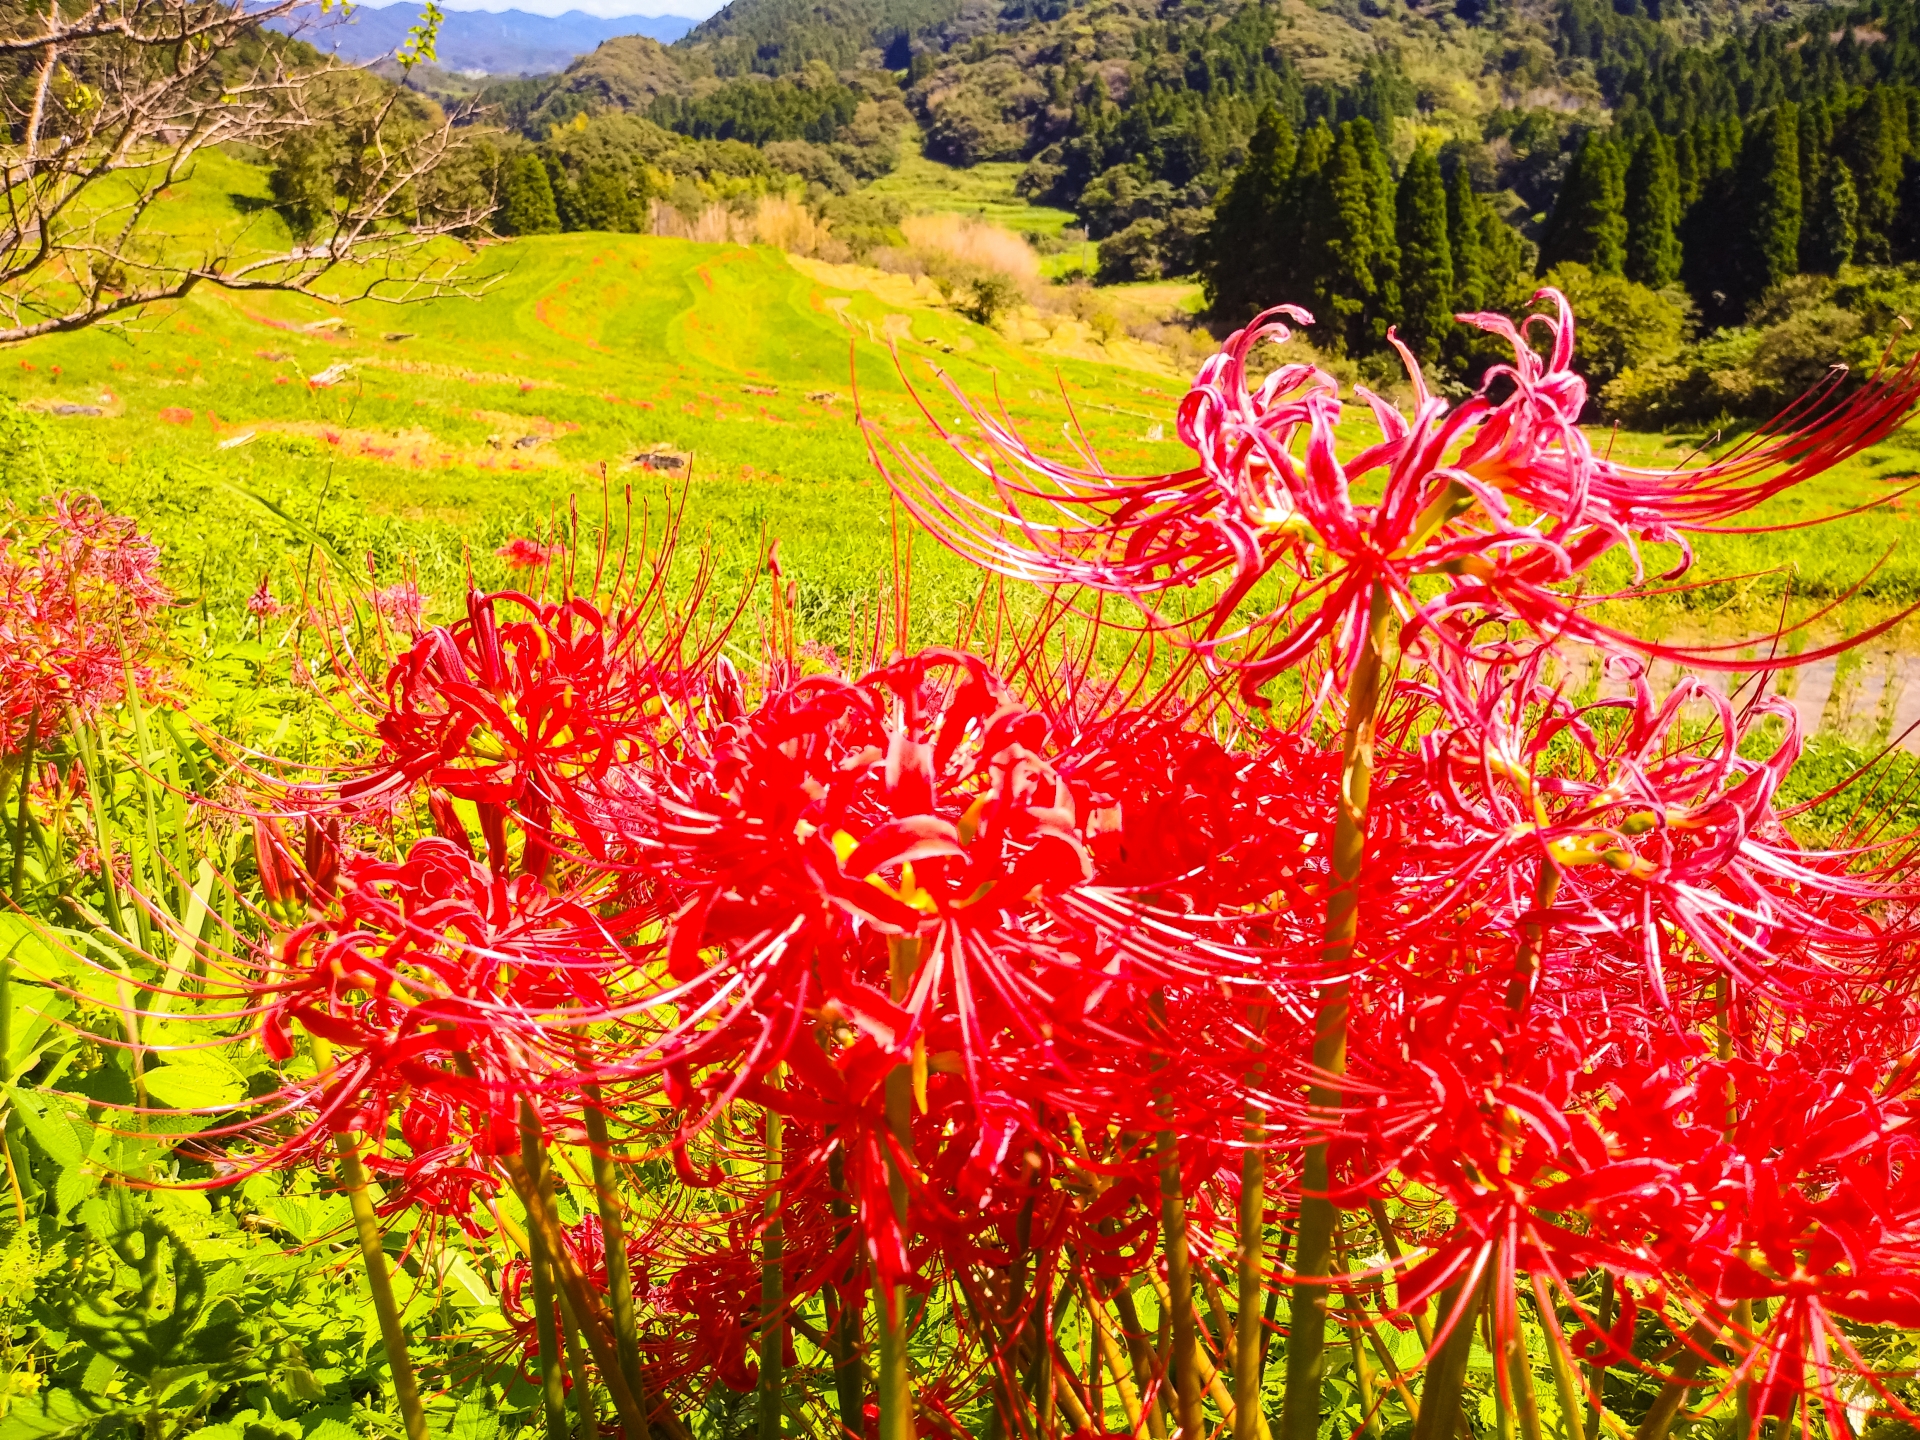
1250, 1283
373, 1256
1440, 1396
1597, 1371
895, 1381
1673, 1394
1313, 1258
583, 1406
843, 1333
546, 1313
1185, 1328
613, 1232
773, 1300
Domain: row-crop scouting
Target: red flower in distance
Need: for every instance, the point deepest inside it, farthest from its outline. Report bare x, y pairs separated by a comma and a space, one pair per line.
1270, 495
80, 597
521, 553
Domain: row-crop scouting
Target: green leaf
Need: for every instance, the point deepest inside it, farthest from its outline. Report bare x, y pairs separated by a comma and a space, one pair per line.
478, 1417
469, 1289
74, 1186
196, 1080
52, 1414
57, 1124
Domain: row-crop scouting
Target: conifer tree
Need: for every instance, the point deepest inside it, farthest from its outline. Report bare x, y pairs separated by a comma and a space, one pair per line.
1770, 188
1835, 232
1352, 289
1463, 240
1304, 230
1242, 263
1653, 212
1687, 168
1426, 256
1816, 140
528, 207
1385, 228
1877, 153
1507, 256
1589, 224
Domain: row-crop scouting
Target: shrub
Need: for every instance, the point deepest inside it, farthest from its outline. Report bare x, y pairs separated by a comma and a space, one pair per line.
1622, 323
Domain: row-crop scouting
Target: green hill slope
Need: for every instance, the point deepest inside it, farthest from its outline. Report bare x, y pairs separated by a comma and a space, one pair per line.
427, 430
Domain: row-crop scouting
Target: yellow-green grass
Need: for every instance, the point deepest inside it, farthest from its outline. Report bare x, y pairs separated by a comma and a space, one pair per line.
596, 348
985, 191
587, 351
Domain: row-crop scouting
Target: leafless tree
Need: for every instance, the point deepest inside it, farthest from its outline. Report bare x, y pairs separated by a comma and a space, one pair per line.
108, 103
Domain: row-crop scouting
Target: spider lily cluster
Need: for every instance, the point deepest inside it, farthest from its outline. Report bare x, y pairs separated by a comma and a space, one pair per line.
972, 1042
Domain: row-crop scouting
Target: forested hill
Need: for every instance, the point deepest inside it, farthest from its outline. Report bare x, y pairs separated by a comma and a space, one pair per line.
1707, 150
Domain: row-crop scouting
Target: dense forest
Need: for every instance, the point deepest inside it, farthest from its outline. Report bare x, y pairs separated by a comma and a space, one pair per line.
1381, 164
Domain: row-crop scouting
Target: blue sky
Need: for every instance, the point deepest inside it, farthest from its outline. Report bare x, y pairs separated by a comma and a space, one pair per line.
609, 9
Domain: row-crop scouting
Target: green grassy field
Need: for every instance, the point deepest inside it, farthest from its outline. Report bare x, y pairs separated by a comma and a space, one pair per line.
984, 190
446, 426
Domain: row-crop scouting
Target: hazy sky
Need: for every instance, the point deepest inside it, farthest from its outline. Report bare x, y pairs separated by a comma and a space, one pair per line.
610, 9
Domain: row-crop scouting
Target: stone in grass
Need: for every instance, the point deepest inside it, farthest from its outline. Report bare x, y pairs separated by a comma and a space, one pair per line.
75, 410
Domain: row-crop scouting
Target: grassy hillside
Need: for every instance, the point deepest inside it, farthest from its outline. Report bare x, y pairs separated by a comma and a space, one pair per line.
239, 427
434, 428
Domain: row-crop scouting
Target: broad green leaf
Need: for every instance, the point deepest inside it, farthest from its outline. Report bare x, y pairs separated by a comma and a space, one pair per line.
57, 1124
52, 1414
478, 1417
37, 952
467, 1288
196, 1080
75, 1185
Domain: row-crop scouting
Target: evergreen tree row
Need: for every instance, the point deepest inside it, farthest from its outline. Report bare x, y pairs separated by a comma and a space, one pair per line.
1732, 207
1320, 220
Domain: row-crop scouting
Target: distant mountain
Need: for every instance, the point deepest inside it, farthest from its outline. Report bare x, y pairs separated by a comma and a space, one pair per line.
511, 42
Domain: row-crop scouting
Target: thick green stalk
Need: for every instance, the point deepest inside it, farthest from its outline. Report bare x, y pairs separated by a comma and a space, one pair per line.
546, 1313
773, 1298
1140, 1349
1185, 1329
1250, 1283
1597, 1371
1313, 1257
583, 1407
373, 1257
1439, 1417
1563, 1382
1520, 1381
844, 1332
895, 1383
613, 1234
1673, 1394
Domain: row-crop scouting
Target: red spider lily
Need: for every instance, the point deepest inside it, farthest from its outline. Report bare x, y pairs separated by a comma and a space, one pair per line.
449, 990
521, 553
1270, 494
525, 705
79, 601
261, 604
1639, 828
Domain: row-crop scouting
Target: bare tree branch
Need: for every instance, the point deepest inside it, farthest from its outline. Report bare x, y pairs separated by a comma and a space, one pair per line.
109, 103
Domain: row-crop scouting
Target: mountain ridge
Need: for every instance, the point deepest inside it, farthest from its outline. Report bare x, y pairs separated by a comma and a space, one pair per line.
506, 42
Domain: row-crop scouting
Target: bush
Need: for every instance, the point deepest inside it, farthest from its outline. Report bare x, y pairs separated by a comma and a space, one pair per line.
1795, 335
1152, 249
1621, 324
